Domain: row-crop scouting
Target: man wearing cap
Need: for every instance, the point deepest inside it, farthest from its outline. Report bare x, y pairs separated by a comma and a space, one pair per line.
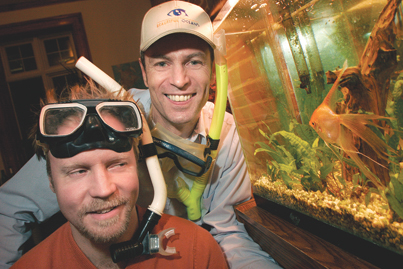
177, 64
90, 147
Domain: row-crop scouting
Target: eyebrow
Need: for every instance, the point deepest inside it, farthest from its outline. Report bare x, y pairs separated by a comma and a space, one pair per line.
197, 54
65, 169
84, 165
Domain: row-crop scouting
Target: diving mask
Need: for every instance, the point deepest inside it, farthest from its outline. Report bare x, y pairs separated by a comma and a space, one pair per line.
72, 127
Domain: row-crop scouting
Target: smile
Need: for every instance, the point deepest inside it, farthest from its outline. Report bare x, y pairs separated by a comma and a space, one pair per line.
179, 98
103, 211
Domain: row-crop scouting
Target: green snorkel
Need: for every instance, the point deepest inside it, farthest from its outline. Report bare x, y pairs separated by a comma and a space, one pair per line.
192, 198
222, 87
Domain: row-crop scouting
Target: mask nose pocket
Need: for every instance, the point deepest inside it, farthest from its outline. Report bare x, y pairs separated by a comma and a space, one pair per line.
93, 130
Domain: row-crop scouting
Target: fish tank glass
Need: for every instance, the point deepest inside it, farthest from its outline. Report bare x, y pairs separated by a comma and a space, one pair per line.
316, 89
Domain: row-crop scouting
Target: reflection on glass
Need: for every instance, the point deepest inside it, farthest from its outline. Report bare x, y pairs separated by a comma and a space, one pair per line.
59, 51
283, 58
21, 58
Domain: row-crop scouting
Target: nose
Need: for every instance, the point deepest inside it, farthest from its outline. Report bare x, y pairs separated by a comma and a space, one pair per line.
102, 185
179, 76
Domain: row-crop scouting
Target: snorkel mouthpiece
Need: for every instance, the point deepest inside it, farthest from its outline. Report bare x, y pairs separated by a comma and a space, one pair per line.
126, 250
146, 243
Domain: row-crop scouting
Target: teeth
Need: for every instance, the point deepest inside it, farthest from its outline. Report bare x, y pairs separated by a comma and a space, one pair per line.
104, 211
179, 98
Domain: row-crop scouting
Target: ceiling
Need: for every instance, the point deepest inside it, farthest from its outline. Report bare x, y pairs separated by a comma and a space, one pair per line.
11, 5
212, 7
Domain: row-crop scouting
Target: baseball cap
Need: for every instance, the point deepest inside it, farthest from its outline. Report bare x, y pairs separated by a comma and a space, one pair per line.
175, 17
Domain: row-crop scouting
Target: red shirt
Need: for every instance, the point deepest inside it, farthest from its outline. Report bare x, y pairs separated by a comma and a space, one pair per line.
195, 247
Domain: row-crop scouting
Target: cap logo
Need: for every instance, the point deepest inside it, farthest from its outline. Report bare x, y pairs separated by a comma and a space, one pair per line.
177, 12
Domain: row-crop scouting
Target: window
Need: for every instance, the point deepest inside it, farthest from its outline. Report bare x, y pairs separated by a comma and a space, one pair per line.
21, 58
32, 66
59, 50
13, 154
50, 57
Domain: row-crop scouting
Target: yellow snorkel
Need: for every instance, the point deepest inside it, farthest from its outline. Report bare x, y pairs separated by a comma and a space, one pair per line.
222, 86
192, 198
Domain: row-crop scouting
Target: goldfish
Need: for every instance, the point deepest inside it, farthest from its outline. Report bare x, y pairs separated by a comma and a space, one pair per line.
339, 129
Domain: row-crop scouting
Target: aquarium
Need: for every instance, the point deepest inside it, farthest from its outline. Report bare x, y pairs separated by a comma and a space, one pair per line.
317, 94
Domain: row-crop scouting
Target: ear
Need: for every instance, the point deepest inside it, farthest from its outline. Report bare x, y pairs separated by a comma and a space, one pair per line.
143, 72
51, 186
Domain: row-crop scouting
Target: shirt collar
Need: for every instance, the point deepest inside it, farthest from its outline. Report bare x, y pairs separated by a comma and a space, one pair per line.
199, 133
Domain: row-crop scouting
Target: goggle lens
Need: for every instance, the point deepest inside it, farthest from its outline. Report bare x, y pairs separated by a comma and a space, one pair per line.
61, 121
121, 118
58, 120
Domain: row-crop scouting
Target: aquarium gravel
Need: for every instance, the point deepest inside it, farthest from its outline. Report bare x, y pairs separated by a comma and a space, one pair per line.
372, 222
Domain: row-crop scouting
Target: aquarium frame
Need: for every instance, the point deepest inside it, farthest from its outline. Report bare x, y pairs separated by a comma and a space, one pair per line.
296, 240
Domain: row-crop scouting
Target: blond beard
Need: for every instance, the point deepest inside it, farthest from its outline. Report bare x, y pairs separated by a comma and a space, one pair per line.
101, 234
